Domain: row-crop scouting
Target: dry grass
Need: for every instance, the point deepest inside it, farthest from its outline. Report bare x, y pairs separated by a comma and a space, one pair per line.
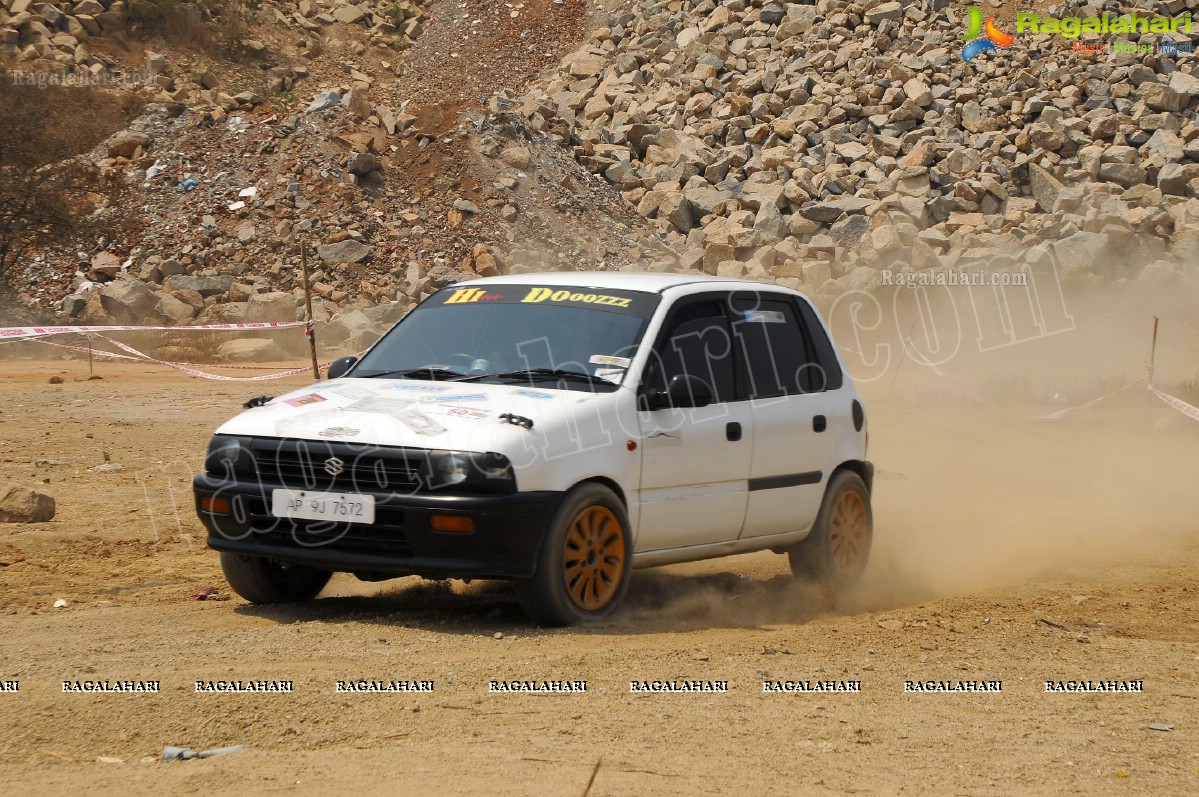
47, 192
216, 27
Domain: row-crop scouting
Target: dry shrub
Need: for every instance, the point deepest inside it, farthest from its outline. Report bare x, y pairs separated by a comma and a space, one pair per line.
48, 189
216, 27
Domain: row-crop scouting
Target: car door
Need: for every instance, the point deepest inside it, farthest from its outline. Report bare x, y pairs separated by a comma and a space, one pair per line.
793, 381
695, 461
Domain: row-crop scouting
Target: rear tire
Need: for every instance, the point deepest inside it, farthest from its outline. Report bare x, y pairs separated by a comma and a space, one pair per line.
836, 551
585, 560
262, 580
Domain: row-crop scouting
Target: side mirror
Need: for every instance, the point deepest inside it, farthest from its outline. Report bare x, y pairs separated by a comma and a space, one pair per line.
683, 391
339, 366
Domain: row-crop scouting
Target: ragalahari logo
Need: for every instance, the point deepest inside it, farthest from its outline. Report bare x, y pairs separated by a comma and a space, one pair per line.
992, 36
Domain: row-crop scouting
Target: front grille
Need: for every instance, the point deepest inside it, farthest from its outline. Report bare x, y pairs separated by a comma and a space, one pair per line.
306, 465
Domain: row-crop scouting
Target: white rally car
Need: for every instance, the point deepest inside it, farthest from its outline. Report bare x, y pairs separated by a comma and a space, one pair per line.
556, 430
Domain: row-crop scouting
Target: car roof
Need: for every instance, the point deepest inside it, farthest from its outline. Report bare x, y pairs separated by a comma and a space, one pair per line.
631, 281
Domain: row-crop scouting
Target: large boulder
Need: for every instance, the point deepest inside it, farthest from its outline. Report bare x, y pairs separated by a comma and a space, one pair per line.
1172, 179
204, 285
323, 101
275, 306
1125, 175
1184, 86
351, 331
250, 350
830, 210
350, 14
1045, 187
126, 143
363, 163
849, 231
22, 505
175, 310
129, 301
918, 91
106, 266
516, 156
348, 251
1083, 252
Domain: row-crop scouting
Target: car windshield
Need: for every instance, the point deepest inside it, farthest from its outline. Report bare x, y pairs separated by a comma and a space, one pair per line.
567, 338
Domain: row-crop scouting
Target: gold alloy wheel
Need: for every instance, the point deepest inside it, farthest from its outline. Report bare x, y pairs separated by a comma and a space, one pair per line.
594, 558
849, 534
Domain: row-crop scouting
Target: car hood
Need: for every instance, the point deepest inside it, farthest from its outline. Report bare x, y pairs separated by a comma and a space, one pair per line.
417, 413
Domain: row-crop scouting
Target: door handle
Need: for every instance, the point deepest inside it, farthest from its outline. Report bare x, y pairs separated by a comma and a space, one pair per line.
819, 423
733, 431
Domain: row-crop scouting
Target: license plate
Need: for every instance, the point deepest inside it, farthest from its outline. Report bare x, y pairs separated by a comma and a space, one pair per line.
309, 505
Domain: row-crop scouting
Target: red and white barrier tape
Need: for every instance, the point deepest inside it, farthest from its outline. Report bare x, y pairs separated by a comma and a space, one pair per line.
203, 374
115, 356
10, 333
1172, 401
177, 366
1176, 403
82, 350
1053, 416
910, 349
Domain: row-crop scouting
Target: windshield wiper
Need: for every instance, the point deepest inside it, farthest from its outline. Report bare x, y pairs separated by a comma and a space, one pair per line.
555, 374
427, 372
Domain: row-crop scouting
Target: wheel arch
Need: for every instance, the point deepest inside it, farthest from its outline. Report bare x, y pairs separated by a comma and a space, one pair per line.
604, 481
864, 470
582, 570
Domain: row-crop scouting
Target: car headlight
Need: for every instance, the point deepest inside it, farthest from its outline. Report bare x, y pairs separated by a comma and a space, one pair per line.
452, 468
228, 456
471, 472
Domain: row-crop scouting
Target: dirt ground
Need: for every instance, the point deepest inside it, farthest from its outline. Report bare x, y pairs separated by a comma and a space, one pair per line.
1007, 548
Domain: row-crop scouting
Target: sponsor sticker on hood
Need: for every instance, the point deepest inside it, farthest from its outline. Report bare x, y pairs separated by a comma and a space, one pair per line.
339, 431
533, 394
458, 397
418, 388
311, 398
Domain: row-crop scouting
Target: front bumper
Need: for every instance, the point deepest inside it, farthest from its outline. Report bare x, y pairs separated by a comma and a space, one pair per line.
509, 530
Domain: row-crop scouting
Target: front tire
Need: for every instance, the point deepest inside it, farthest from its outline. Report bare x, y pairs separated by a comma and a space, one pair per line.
584, 563
262, 580
838, 547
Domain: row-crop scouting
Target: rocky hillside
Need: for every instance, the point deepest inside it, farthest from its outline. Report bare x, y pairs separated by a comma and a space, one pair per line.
821, 142
412, 143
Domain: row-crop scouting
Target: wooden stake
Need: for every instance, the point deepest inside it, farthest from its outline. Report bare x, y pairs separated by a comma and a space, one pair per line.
310, 328
591, 780
1153, 350
90, 372
898, 365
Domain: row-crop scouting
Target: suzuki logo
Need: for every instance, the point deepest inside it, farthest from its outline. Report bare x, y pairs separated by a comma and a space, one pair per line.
334, 466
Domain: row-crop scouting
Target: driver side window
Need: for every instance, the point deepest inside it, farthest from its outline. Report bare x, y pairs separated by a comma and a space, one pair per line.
696, 340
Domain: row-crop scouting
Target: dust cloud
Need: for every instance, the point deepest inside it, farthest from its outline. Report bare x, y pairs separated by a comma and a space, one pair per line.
974, 489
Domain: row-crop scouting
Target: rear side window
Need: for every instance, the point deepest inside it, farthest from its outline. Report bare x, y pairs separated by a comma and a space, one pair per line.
781, 356
830, 370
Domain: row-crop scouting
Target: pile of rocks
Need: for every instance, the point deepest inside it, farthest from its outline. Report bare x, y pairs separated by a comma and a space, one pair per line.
227, 200
817, 143
814, 144
230, 172
59, 31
